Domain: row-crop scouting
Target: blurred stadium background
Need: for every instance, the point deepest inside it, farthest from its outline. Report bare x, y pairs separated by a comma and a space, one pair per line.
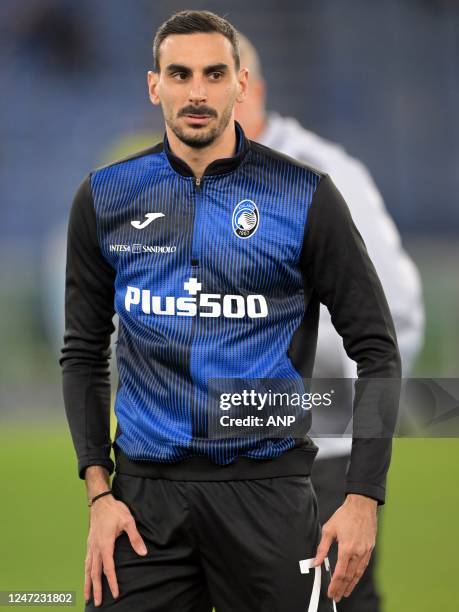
382, 79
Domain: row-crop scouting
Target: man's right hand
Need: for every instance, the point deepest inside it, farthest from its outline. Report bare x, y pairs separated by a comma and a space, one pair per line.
108, 519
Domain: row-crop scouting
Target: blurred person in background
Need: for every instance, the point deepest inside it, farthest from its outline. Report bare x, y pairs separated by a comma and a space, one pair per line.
397, 272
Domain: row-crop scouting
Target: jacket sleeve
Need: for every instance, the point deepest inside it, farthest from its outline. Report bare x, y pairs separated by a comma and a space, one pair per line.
89, 296
337, 267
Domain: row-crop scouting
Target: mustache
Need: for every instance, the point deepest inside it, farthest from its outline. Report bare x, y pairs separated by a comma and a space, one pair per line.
197, 110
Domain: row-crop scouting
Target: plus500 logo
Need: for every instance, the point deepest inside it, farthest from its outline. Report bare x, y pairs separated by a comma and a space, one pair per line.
202, 304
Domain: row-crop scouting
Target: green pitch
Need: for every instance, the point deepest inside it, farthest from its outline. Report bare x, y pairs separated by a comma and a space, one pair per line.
44, 519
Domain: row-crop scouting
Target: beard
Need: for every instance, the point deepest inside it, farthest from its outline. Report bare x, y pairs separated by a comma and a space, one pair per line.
199, 136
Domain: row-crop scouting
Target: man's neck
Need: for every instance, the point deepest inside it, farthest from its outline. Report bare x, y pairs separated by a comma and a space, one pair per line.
199, 159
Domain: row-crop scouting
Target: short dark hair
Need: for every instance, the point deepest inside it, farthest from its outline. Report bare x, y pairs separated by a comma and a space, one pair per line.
190, 22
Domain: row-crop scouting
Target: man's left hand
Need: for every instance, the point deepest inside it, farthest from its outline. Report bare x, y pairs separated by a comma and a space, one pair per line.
354, 526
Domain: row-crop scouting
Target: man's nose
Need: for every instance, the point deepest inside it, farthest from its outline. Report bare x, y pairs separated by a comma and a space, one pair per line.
198, 93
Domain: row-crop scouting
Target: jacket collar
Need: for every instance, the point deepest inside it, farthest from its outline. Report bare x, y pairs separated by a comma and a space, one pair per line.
218, 166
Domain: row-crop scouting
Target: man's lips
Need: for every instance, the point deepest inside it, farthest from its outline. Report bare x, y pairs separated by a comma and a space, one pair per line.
197, 118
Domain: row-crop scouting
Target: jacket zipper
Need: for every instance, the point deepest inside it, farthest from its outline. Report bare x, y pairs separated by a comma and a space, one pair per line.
196, 249
196, 422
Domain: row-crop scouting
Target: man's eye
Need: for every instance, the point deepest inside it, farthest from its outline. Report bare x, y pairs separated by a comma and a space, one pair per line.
180, 76
215, 76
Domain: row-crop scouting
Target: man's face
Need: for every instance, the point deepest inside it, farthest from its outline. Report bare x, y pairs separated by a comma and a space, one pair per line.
197, 86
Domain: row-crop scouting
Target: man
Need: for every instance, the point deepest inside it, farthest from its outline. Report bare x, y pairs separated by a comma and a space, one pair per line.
215, 252
395, 269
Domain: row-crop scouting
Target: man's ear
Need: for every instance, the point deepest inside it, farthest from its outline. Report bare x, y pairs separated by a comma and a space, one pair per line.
153, 80
243, 82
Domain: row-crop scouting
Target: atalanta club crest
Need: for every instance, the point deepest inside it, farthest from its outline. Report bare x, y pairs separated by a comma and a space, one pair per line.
245, 219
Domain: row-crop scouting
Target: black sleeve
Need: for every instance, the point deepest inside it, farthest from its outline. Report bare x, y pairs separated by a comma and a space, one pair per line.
336, 265
89, 310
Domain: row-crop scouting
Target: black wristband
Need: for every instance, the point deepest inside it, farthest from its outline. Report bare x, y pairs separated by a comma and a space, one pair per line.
96, 497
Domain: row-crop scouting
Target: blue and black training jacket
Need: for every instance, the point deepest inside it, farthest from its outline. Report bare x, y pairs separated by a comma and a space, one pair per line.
220, 277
